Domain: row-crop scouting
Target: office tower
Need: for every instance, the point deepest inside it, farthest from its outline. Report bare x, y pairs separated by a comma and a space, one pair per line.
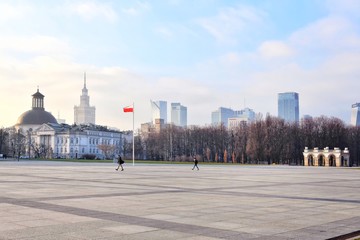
355, 114
246, 114
158, 110
221, 115
288, 106
178, 114
84, 113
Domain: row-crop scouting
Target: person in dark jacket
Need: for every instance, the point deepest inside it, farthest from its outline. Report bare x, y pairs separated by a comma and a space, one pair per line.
195, 164
120, 162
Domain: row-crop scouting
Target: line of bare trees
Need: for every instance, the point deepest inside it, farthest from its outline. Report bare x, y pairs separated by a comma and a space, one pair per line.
269, 140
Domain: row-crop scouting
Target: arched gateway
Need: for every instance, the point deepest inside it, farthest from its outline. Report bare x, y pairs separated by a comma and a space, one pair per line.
326, 157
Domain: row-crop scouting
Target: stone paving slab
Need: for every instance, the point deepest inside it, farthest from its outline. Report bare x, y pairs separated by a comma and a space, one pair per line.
62, 200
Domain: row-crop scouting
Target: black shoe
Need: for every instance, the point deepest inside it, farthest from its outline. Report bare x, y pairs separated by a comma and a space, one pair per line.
122, 169
116, 169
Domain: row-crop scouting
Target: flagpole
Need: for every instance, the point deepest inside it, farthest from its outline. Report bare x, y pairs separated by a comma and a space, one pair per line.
133, 154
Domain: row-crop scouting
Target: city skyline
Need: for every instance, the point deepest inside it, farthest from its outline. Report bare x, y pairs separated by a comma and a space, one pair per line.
204, 54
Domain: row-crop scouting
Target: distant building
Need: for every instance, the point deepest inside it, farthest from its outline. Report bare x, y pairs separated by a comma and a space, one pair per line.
228, 117
246, 113
178, 114
158, 111
44, 137
76, 141
84, 113
150, 128
241, 116
288, 106
35, 117
221, 116
355, 114
307, 117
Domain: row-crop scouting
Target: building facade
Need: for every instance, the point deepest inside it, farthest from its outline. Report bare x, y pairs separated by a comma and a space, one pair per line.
288, 106
178, 114
231, 118
158, 111
355, 114
84, 113
38, 134
221, 116
326, 157
52, 140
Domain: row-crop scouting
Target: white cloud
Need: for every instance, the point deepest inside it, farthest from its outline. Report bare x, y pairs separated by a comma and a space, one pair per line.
89, 10
231, 58
11, 12
165, 32
138, 9
34, 44
328, 34
344, 7
275, 49
231, 21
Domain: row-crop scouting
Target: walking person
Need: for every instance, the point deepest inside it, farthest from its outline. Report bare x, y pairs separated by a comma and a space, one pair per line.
195, 164
120, 162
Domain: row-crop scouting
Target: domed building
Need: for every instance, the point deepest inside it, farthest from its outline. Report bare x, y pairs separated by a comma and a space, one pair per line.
35, 117
44, 137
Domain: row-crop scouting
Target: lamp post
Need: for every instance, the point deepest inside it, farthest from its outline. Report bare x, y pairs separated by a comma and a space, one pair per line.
29, 142
18, 144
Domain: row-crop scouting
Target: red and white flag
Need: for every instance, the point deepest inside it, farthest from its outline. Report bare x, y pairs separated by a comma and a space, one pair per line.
129, 109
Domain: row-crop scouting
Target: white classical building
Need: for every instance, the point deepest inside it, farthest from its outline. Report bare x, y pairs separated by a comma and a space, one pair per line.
326, 157
44, 137
54, 140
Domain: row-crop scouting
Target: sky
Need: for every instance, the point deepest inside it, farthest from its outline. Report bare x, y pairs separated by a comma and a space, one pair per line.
204, 54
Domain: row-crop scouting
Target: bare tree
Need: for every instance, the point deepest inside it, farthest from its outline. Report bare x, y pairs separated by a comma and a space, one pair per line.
108, 150
256, 141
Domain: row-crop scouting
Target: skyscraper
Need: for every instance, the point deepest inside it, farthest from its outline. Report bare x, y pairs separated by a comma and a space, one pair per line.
84, 114
288, 106
355, 114
178, 115
221, 116
158, 110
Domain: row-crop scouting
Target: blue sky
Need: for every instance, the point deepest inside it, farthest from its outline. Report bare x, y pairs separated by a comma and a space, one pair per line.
202, 53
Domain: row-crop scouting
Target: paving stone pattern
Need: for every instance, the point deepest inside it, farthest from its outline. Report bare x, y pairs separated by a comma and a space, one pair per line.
57, 200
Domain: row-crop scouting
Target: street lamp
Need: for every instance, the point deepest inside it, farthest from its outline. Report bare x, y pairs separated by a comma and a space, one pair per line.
29, 142
18, 144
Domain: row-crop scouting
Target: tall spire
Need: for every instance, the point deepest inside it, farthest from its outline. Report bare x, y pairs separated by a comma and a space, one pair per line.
84, 79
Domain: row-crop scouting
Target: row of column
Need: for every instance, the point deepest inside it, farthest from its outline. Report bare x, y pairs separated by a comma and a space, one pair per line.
325, 159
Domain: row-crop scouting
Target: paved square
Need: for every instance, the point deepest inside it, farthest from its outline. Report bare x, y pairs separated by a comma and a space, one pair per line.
56, 200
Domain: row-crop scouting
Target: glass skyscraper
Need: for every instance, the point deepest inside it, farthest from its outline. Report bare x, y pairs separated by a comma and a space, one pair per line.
355, 114
158, 110
221, 116
178, 114
288, 106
